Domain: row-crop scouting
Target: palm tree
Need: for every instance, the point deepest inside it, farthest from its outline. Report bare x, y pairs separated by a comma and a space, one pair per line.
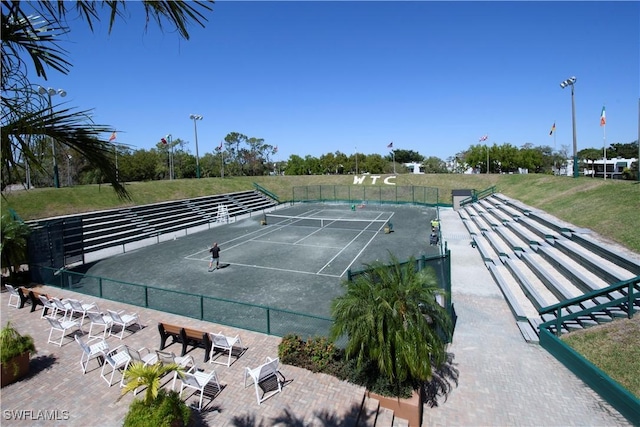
391, 318
31, 32
140, 375
13, 248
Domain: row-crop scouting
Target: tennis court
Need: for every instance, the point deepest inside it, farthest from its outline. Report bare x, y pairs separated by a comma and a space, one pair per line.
296, 261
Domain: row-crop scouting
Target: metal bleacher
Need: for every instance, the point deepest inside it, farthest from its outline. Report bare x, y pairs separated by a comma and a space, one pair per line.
540, 262
95, 235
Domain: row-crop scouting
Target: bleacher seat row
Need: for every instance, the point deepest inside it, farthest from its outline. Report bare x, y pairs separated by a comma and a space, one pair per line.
538, 261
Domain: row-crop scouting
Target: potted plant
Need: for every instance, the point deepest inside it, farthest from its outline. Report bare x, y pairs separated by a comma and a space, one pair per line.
15, 351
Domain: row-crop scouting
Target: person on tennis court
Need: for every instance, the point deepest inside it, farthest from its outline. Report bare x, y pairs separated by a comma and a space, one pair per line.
215, 256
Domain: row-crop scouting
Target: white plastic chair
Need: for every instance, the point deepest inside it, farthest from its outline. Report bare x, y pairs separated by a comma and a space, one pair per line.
122, 320
199, 380
61, 307
92, 349
265, 373
13, 293
47, 305
116, 359
220, 342
167, 358
143, 355
78, 307
100, 320
62, 326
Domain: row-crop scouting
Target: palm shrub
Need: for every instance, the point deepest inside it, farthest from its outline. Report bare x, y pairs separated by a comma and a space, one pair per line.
13, 247
393, 324
157, 407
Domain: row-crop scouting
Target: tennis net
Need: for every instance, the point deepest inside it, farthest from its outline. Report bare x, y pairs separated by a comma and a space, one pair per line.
343, 223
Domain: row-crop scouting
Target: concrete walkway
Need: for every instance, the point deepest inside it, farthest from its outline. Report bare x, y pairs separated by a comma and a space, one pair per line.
502, 379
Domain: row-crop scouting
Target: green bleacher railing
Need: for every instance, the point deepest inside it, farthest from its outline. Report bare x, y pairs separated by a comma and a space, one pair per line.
252, 317
627, 301
549, 333
478, 195
266, 192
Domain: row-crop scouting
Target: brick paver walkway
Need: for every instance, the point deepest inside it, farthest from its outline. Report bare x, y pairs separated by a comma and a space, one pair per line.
502, 379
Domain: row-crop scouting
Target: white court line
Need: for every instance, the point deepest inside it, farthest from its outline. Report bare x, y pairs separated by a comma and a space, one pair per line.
275, 228
365, 246
260, 230
362, 250
283, 269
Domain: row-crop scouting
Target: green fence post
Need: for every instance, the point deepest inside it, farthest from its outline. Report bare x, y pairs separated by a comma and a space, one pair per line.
349, 278
268, 321
558, 322
146, 297
630, 300
201, 308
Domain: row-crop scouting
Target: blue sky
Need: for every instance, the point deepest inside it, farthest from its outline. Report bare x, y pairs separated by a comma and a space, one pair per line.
319, 77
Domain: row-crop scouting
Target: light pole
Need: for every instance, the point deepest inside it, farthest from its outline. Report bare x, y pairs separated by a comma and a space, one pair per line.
52, 92
195, 118
69, 170
571, 82
170, 157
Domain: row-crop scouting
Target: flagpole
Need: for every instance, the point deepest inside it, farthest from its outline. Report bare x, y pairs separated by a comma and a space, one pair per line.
221, 160
603, 123
555, 168
604, 148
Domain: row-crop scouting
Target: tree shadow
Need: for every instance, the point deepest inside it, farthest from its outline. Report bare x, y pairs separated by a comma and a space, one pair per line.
355, 415
40, 363
441, 382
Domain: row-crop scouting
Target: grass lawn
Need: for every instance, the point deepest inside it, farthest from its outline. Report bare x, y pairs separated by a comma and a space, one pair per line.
614, 348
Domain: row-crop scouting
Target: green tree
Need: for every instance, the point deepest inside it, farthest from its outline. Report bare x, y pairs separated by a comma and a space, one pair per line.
405, 156
434, 165
13, 249
390, 316
31, 36
295, 165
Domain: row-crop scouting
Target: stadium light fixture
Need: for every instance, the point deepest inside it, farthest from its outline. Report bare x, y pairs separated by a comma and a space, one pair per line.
571, 82
195, 118
53, 92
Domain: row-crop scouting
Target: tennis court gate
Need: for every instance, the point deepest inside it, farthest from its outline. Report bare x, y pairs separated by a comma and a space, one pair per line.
55, 244
374, 194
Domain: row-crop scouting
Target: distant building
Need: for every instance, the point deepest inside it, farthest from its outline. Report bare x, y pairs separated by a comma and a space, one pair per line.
595, 168
415, 168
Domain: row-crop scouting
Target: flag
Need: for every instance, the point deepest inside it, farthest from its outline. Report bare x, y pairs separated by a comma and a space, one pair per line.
483, 138
164, 141
275, 149
553, 129
390, 145
112, 137
603, 117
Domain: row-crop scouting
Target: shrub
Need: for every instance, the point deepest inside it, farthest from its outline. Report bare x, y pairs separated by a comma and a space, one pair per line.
320, 355
13, 344
166, 410
316, 354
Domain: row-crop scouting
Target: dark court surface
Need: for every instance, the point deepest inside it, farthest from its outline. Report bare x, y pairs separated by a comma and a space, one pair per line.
290, 264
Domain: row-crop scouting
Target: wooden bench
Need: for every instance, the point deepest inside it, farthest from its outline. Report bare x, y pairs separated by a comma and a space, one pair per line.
23, 293
34, 296
186, 337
